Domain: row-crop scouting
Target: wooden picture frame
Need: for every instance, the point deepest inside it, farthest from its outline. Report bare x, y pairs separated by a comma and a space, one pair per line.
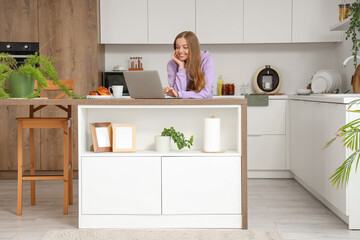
101, 134
124, 137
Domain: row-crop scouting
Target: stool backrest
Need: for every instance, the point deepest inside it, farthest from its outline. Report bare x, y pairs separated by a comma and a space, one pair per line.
68, 83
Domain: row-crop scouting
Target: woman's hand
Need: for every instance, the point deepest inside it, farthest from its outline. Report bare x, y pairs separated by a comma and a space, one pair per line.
178, 61
170, 92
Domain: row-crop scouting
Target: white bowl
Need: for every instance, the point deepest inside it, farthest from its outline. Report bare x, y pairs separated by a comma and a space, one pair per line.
303, 91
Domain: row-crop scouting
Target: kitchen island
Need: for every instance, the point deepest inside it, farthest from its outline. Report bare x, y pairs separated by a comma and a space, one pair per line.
176, 189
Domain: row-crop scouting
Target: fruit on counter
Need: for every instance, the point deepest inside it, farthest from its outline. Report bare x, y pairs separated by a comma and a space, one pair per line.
93, 93
103, 91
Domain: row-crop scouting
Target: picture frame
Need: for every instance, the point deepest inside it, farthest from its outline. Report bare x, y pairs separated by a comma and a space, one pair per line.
101, 134
124, 137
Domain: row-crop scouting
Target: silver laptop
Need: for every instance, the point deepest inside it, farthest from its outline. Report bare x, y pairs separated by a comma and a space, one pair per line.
144, 84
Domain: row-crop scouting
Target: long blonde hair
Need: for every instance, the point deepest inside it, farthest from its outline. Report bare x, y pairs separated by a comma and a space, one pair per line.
193, 62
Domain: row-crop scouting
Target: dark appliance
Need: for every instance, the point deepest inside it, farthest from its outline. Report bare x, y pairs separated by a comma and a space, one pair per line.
115, 78
19, 50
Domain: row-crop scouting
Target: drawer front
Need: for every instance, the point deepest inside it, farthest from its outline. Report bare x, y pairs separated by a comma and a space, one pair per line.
121, 185
267, 120
201, 185
266, 152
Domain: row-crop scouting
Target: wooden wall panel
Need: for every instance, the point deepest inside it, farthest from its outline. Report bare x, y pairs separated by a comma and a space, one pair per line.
68, 30
18, 21
8, 137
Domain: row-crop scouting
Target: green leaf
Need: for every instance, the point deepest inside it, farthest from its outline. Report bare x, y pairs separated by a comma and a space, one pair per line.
177, 137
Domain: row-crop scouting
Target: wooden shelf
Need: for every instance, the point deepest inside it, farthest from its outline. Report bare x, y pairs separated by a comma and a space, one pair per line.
341, 26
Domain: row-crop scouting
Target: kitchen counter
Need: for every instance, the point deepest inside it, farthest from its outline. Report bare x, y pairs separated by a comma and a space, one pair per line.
271, 97
329, 98
43, 101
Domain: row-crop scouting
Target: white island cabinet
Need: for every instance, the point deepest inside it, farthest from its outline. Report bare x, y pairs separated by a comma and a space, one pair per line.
177, 189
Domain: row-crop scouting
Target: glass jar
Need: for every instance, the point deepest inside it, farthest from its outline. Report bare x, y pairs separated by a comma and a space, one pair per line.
231, 89
341, 12
347, 10
224, 89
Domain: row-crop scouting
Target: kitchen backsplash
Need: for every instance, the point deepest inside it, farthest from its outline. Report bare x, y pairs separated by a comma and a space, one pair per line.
238, 63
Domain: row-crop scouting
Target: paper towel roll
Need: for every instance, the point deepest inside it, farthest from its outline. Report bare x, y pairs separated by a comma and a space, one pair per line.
212, 134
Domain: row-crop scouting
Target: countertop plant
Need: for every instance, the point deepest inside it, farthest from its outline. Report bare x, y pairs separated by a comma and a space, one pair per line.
178, 138
38, 67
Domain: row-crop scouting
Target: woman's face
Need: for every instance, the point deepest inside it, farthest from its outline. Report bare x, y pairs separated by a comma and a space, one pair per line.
182, 49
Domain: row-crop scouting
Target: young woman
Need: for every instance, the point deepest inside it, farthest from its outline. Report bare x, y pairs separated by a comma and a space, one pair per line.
191, 72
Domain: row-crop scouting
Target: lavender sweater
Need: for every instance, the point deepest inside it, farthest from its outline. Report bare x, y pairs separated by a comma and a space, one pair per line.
179, 80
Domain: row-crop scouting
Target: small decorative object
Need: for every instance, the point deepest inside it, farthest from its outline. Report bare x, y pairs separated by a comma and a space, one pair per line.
162, 143
178, 138
21, 79
212, 135
101, 136
135, 64
124, 137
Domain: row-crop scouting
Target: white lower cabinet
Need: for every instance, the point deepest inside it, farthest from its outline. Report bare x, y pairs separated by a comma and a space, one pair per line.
201, 185
160, 192
334, 155
121, 185
312, 125
267, 136
266, 152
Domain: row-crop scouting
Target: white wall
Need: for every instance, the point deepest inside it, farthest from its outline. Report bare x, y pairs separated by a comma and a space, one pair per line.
238, 63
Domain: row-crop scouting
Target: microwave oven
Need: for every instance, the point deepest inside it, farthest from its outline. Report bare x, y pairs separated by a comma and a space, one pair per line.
115, 78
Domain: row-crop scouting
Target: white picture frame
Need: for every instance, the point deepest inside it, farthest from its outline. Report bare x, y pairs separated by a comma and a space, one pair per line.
124, 137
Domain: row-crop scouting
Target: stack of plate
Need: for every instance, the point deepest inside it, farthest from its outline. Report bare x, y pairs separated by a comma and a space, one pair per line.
325, 81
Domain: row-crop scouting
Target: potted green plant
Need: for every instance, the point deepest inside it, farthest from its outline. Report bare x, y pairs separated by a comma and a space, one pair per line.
354, 29
162, 142
21, 79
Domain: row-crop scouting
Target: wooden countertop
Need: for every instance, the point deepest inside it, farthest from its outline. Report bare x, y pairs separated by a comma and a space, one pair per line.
219, 101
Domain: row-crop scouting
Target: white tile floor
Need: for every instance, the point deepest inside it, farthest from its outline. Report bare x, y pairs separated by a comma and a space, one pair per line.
280, 204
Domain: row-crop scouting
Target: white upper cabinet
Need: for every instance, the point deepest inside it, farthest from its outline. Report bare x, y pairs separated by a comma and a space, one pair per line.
312, 20
123, 21
219, 21
267, 21
167, 18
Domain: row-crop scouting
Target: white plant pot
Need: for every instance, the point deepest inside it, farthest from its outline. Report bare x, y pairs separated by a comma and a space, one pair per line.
162, 143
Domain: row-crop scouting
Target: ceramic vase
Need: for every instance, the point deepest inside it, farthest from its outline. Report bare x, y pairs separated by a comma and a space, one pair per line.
162, 143
20, 85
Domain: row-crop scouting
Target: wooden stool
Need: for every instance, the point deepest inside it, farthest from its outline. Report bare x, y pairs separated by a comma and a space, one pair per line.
31, 123
67, 175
